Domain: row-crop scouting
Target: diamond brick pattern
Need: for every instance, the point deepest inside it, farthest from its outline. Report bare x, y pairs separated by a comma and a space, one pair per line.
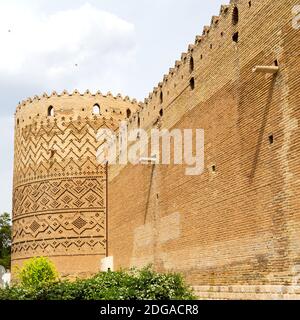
58, 206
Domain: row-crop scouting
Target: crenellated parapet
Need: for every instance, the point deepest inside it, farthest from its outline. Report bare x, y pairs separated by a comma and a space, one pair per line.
187, 69
73, 105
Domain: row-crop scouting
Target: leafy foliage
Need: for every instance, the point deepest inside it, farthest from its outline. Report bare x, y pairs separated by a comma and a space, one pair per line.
37, 272
5, 240
123, 285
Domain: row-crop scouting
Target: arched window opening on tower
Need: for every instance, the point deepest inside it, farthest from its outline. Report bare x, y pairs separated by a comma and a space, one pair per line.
161, 97
51, 111
96, 110
235, 16
128, 113
161, 112
192, 65
192, 83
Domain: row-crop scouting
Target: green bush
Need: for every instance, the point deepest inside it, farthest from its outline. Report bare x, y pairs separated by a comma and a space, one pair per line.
36, 273
122, 285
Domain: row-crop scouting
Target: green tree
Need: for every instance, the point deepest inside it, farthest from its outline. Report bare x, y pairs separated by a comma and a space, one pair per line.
5, 240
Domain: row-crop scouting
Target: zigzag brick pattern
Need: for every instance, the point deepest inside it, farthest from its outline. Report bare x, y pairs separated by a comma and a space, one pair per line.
59, 187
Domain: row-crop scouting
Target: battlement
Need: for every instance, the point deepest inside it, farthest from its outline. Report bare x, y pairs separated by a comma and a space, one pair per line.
76, 93
186, 69
75, 105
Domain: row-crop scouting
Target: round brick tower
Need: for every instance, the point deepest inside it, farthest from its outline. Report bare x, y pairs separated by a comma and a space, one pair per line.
59, 188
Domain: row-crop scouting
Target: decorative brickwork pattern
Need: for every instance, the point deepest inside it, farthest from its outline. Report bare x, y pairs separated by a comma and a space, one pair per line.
59, 188
234, 231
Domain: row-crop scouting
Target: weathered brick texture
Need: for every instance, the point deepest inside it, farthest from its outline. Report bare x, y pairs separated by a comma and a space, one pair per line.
59, 201
234, 233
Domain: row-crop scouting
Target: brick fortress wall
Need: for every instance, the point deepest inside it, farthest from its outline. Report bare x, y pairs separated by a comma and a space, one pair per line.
233, 231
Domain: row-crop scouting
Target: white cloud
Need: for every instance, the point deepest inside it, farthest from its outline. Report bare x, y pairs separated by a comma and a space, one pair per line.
83, 48
6, 163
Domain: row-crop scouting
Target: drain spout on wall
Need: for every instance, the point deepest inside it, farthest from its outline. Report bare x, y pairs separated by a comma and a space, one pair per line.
266, 69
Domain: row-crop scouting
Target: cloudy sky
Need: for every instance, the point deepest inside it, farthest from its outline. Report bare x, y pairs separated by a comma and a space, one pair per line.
116, 45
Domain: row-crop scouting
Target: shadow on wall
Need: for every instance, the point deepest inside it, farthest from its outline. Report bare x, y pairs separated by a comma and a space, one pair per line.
149, 193
262, 129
